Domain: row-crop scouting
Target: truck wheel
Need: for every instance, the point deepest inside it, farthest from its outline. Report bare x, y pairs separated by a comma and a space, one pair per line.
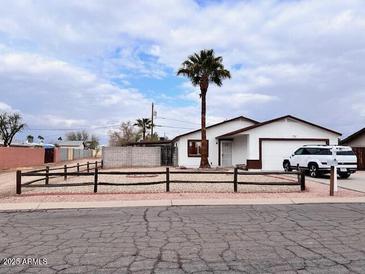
286, 166
313, 170
344, 175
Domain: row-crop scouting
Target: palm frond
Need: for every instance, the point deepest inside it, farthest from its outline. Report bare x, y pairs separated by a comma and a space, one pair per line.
204, 65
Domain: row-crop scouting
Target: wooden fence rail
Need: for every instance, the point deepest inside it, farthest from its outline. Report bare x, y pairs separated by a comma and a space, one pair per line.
95, 172
46, 175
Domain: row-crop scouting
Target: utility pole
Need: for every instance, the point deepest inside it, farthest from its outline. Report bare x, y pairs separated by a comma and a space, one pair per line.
152, 114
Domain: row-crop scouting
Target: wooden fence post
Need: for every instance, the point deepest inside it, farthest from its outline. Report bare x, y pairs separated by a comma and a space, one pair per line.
167, 179
96, 164
96, 180
235, 175
47, 175
302, 180
18, 182
65, 172
332, 181
102, 164
78, 169
88, 167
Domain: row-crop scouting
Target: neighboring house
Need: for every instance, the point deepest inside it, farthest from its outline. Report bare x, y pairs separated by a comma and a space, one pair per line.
17, 143
243, 141
71, 144
357, 142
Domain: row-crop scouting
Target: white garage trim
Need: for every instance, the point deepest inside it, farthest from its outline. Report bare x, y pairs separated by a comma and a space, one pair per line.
261, 140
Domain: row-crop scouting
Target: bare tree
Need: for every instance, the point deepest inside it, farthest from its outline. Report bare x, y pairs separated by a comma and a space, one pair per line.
10, 124
90, 141
125, 134
93, 143
77, 136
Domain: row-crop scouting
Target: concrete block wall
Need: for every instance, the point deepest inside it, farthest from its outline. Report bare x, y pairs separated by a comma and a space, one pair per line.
131, 156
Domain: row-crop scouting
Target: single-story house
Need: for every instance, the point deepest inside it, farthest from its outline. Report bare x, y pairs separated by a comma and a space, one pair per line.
357, 142
257, 145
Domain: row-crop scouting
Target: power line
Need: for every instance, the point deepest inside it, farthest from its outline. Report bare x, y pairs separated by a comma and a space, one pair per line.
70, 129
174, 127
177, 120
63, 129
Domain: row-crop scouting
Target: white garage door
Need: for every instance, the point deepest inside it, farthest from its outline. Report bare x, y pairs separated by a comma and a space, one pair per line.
274, 152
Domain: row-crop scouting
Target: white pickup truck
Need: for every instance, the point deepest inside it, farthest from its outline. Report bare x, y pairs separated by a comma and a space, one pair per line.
317, 160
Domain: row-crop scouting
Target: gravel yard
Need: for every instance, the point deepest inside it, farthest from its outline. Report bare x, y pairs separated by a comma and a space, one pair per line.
177, 190
198, 186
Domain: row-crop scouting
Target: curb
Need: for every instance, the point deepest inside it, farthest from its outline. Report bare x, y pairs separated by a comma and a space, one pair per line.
175, 202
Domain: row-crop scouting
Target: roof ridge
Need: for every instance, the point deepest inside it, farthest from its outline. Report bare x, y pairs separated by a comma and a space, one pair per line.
274, 120
353, 135
217, 124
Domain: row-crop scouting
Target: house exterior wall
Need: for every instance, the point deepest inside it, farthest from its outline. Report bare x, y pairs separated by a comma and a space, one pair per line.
286, 128
14, 157
212, 133
359, 141
240, 149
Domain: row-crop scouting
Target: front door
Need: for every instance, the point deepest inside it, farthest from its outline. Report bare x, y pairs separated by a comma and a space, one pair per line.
226, 153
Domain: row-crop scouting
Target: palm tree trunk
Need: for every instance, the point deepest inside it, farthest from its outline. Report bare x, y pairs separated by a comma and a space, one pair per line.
144, 134
204, 145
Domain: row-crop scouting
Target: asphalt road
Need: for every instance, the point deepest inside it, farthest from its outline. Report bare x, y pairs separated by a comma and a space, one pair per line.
317, 238
354, 182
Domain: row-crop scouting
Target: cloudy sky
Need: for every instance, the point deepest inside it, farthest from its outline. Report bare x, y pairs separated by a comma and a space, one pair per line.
92, 64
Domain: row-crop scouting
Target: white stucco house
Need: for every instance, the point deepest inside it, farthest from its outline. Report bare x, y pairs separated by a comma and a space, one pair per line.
258, 145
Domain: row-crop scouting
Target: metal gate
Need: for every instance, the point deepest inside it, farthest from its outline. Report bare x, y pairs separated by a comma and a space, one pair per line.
360, 153
168, 155
49, 155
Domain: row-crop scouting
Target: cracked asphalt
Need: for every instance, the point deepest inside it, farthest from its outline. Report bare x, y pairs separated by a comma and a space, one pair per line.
312, 238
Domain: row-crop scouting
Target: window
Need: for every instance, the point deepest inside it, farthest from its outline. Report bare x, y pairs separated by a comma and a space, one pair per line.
194, 147
345, 152
325, 151
299, 151
313, 151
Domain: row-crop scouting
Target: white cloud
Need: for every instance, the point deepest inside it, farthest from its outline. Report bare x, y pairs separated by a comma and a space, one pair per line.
292, 56
5, 107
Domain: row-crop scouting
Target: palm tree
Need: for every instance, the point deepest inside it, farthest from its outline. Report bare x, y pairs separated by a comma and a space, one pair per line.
203, 68
144, 124
41, 138
30, 138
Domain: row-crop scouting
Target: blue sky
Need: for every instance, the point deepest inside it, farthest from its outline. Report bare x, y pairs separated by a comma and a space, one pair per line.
92, 64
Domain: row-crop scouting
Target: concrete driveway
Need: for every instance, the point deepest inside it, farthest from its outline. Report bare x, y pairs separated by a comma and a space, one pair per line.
355, 182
